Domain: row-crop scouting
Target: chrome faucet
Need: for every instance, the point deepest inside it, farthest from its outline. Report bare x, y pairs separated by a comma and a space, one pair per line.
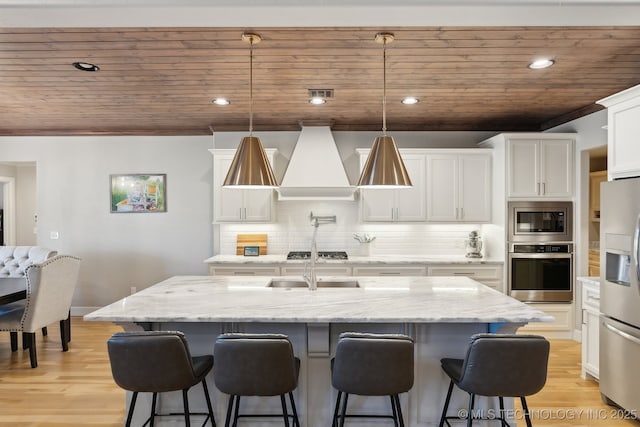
309, 274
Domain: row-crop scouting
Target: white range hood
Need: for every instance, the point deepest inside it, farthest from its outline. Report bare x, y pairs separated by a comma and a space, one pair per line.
315, 171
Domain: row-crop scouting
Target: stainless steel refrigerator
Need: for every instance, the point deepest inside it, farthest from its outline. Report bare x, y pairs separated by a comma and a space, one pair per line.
620, 293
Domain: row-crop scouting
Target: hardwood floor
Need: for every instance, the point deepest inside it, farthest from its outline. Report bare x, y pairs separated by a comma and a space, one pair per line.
76, 388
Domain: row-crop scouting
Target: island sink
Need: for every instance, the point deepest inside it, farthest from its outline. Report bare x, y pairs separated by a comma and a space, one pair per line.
285, 283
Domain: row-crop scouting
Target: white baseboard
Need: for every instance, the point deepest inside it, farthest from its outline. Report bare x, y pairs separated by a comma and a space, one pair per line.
577, 335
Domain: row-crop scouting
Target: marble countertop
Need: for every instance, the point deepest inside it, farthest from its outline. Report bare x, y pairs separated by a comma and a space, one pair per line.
373, 260
379, 299
593, 280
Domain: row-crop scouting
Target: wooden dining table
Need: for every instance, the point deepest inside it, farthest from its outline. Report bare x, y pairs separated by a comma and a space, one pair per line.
12, 290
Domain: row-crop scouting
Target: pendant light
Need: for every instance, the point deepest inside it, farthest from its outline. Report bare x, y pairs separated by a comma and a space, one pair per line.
384, 166
250, 167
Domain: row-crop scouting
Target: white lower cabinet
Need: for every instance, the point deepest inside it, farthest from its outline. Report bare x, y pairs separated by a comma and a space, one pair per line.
487, 274
590, 330
561, 327
235, 270
390, 270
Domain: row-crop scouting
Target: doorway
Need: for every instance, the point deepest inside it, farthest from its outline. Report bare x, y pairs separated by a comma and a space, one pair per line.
8, 226
597, 174
18, 181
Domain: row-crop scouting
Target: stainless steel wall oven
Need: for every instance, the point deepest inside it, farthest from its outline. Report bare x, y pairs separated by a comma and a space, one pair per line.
541, 272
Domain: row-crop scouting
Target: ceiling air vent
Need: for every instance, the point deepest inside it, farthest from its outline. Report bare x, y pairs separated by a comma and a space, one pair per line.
321, 93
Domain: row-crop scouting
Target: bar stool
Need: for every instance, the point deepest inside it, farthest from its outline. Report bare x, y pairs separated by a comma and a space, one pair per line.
372, 365
156, 362
256, 365
498, 365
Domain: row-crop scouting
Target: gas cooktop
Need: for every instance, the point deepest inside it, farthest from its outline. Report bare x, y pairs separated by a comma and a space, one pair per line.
321, 254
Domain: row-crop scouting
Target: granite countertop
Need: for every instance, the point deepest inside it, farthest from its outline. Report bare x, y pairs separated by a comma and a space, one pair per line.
593, 280
374, 259
379, 299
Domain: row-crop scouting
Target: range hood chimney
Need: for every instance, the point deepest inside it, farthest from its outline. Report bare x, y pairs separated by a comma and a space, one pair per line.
315, 171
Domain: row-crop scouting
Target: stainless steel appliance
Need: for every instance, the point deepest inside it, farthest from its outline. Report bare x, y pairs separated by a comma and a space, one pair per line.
321, 254
620, 293
541, 272
534, 221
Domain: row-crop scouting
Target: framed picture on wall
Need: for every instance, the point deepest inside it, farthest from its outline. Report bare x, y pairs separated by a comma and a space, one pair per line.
138, 193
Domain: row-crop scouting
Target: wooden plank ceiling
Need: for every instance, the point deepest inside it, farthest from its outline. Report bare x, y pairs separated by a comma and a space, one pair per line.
161, 81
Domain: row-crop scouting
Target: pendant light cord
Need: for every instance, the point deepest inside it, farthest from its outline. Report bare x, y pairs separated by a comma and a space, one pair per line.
384, 87
251, 87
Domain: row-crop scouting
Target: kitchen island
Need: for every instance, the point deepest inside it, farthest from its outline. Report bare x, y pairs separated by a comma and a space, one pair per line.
440, 313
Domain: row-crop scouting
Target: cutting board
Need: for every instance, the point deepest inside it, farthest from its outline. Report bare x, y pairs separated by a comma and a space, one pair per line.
259, 240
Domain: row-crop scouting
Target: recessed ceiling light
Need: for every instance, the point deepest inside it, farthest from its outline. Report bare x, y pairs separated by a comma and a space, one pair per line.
317, 100
85, 66
539, 64
221, 101
410, 100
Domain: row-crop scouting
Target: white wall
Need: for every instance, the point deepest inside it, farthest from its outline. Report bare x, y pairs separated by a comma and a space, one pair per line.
120, 250
26, 204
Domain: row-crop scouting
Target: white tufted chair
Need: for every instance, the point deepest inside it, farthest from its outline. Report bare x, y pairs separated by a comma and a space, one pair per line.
14, 260
50, 287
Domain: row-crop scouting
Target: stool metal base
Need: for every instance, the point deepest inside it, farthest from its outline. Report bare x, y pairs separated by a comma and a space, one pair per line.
234, 405
503, 422
339, 419
186, 413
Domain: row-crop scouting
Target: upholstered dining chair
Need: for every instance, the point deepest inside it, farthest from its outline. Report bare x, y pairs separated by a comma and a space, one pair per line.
50, 287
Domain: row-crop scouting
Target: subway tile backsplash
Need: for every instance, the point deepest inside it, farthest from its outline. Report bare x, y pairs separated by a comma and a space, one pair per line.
292, 231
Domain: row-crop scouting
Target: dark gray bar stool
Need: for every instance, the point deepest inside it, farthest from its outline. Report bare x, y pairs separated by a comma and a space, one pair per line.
499, 365
372, 365
157, 362
256, 365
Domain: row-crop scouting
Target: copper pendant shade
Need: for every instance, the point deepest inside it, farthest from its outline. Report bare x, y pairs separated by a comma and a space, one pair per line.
384, 166
250, 167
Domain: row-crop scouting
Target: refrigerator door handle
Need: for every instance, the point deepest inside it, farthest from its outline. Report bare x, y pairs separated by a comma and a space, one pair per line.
636, 247
621, 333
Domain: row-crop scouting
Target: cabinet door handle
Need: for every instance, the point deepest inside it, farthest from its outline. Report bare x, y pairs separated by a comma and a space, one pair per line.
544, 188
464, 273
245, 213
244, 273
461, 213
456, 213
538, 188
389, 273
240, 209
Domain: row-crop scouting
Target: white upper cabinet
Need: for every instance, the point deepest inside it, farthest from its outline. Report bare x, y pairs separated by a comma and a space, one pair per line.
401, 205
623, 112
238, 205
459, 186
540, 168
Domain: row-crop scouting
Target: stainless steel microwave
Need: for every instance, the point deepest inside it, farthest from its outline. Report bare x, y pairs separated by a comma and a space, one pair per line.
546, 222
